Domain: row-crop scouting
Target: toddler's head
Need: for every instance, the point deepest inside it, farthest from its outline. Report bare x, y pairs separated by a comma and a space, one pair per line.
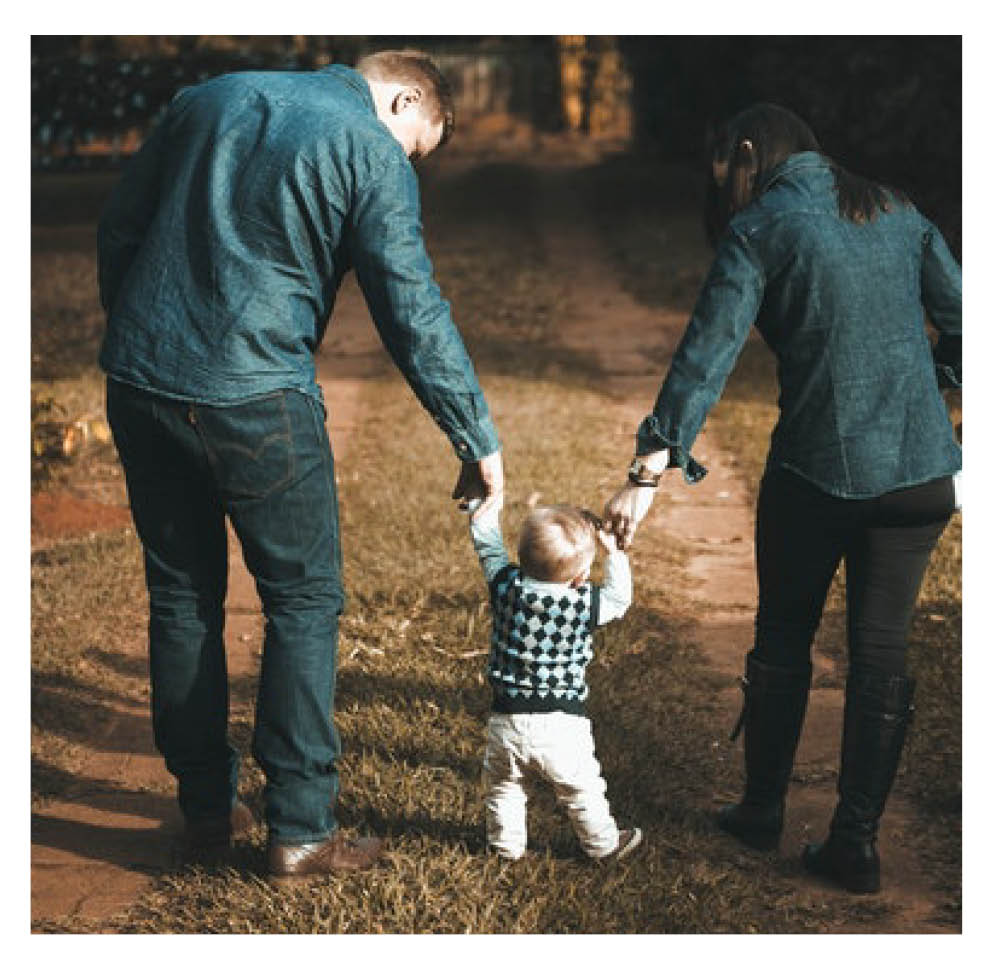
558, 544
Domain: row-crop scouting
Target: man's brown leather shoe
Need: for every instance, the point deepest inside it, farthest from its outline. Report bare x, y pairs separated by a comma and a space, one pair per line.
291, 863
216, 834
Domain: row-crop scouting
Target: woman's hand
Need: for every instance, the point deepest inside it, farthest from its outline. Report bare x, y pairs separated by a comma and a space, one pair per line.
624, 511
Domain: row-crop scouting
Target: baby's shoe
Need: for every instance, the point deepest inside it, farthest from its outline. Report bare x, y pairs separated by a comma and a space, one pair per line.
630, 838
502, 854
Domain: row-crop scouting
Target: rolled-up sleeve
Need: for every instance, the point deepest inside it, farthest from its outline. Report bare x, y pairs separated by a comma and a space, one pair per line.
414, 322
727, 307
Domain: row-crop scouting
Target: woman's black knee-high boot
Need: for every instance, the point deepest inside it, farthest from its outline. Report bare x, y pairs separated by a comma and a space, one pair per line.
877, 713
774, 707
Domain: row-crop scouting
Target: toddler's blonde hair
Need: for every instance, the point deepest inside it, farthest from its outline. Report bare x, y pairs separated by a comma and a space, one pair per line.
557, 542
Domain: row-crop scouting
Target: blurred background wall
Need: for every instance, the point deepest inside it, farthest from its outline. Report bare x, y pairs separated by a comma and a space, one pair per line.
888, 107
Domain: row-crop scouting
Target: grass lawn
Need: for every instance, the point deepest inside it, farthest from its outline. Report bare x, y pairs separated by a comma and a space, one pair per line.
412, 702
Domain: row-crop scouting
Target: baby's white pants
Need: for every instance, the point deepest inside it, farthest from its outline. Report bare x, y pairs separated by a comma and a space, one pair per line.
559, 747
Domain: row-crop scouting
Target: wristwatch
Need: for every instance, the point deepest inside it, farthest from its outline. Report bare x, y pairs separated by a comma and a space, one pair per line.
641, 475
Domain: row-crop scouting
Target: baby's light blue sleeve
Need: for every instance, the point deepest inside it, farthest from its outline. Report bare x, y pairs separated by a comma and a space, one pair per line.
488, 544
617, 591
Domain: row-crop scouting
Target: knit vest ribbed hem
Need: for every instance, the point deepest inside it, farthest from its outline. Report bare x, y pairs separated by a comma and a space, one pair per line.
536, 704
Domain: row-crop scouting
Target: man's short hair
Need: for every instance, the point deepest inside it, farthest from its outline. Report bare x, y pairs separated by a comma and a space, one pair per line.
556, 543
416, 69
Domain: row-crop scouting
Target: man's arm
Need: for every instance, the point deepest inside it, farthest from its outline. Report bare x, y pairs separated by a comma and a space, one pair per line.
414, 322
127, 215
482, 480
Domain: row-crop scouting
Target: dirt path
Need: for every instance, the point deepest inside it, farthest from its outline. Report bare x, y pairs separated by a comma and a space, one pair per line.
104, 842
715, 519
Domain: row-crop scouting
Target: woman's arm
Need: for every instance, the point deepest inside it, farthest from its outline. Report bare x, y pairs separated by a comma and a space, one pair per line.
726, 309
624, 511
940, 287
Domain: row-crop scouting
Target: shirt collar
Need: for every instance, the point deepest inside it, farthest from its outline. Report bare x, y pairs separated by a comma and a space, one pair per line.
354, 80
803, 160
544, 588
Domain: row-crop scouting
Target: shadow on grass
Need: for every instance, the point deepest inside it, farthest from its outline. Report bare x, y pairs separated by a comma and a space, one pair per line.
52, 777
413, 824
405, 693
68, 707
141, 849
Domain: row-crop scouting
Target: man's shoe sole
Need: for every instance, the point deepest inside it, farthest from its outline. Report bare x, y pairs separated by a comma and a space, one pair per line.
322, 860
293, 881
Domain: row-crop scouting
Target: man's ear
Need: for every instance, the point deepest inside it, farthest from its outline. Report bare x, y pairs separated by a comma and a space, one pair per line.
407, 98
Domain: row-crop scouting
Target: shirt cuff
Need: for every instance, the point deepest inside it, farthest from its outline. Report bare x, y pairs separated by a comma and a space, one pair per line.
650, 439
948, 378
473, 444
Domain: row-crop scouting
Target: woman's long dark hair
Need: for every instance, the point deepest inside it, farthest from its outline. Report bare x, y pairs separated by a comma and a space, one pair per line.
757, 139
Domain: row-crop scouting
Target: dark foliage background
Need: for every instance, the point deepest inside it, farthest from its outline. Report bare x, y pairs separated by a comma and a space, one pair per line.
886, 106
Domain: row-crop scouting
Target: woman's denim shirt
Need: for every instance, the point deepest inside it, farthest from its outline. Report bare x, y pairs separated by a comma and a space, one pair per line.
223, 245
842, 307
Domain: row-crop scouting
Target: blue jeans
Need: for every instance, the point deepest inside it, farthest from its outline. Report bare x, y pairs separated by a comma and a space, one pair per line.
267, 465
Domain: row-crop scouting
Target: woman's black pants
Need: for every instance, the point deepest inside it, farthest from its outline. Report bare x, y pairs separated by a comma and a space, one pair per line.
803, 534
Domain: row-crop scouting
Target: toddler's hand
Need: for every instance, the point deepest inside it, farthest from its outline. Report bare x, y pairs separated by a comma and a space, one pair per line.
608, 540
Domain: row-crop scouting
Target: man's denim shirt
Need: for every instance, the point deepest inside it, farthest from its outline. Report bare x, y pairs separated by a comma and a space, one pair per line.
223, 245
842, 307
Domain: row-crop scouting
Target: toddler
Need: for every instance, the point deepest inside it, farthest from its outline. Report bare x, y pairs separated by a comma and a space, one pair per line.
544, 613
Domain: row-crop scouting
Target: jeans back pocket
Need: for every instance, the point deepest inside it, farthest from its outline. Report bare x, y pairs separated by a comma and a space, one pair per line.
250, 445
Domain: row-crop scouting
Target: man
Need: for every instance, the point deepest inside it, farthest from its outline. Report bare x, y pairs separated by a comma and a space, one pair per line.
220, 253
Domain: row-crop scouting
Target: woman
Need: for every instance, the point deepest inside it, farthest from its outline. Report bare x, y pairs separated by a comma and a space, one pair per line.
836, 273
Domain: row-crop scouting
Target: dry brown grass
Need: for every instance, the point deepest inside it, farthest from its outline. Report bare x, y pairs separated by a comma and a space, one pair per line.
411, 699
87, 596
411, 709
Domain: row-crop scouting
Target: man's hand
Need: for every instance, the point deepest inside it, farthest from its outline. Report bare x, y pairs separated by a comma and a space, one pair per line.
624, 511
481, 479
